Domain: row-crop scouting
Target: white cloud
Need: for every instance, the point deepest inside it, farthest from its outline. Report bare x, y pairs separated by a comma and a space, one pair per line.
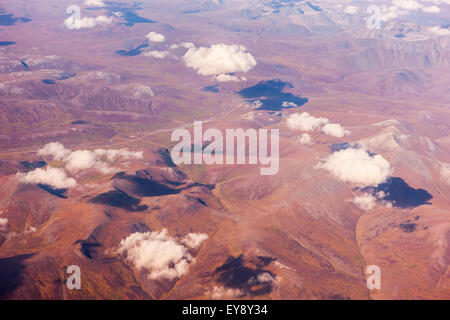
218, 293
54, 177
194, 240
356, 166
158, 253
87, 22
305, 122
155, 37
399, 8
156, 54
351, 9
219, 59
439, 31
288, 104
365, 202
79, 160
3, 224
439, 1
305, 139
94, 3
335, 130
54, 149
266, 277
187, 45
432, 9
407, 4
228, 78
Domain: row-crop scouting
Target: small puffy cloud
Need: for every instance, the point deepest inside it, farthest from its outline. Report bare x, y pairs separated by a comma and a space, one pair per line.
407, 4
288, 104
194, 240
87, 22
439, 31
54, 149
365, 202
432, 9
94, 3
80, 160
187, 45
305, 122
356, 166
3, 224
305, 139
266, 277
335, 130
54, 177
155, 37
228, 78
158, 253
219, 59
157, 54
351, 9
221, 293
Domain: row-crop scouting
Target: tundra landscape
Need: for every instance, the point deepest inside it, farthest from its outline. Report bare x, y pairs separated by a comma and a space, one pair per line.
103, 164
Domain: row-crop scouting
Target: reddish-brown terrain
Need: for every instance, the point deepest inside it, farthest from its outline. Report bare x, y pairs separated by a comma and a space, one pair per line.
298, 234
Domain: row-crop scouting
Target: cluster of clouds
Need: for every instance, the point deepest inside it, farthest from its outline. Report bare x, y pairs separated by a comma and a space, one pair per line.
162, 256
439, 31
358, 167
367, 201
361, 169
403, 7
220, 61
160, 38
74, 22
74, 162
94, 3
399, 8
306, 122
87, 22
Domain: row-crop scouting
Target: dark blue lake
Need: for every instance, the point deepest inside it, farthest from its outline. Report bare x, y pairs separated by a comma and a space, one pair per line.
214, 88
6, 43
8, 19
401, 194
48, 81
271, 95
